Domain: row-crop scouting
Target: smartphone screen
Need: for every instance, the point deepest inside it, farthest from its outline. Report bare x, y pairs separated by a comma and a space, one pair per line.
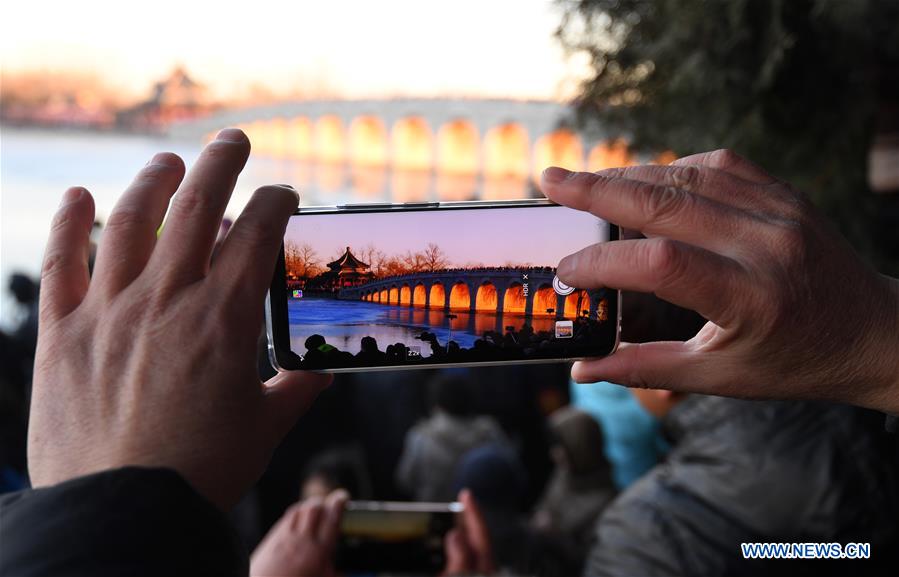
394, 537
439, 286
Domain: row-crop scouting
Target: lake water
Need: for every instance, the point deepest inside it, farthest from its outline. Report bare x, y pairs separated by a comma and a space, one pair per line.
344, 323
36, 166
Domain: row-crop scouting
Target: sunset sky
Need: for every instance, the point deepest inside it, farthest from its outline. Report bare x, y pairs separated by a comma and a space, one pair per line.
353, 48
492, 237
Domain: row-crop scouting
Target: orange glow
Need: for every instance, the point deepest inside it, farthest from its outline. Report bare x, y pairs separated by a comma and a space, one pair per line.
279, 136
410, 185
486, 298
602, 310
299, 138
460, 297
457, 147
382, 296
368, 141
412, 144
544, 298
456, 186
576, 304
505, 188
610, 155
514, 301
506, 151
438, 296
393, 296
560, 148
368, 181
666, 157
418, 295
269, 137
405, 295
329, 139
330, 176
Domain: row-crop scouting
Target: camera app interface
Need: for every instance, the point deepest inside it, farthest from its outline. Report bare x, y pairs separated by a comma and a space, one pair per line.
436, 286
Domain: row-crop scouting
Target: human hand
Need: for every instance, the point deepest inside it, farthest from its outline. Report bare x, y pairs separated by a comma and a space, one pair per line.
302, 542
467, 547
152, 362
793, 312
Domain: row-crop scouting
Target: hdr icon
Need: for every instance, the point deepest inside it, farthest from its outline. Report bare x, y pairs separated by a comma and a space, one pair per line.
524, 284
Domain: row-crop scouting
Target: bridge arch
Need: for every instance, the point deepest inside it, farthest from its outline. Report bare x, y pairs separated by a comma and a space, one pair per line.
514, 300
393, 296
486, 299
458, 147
506, 151
576, 304
544, 301
300, 144
460, 296
330, 145
437, 296
610, 155
419, 295
412, 144
382, 296
405, 295
368, 141
561, 147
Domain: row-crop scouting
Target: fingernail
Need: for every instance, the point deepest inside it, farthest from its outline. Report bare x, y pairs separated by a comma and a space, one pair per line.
556, 174
71, 195
231, 135
165, 159
291, 189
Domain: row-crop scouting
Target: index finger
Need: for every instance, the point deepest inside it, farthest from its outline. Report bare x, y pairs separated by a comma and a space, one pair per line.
657, 209
730, 162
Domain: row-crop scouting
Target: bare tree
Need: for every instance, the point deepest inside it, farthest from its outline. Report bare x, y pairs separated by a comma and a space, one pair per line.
433, 258
301, 260
374, 258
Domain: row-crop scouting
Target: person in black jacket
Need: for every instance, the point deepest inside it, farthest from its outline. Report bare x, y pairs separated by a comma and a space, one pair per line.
750, 472
148, 418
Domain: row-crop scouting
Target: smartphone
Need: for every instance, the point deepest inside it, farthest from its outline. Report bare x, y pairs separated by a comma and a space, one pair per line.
393, 286
380, 537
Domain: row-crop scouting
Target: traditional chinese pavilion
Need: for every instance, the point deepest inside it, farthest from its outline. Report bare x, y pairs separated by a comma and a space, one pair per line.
348, 271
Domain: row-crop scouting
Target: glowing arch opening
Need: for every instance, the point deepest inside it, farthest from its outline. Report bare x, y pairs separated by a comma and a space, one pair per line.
460, 297
393, 296
576, 304
382, 296
419, 295
486, 299
437, 299
560, 148
544, 301
300, 143
610, 155
506, 151
412, 144
405, 295
514, 300
457, 147
329, 139
368, 141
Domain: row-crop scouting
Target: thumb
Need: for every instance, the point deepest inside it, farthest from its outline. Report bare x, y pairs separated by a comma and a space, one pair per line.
290, 394
672, 365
